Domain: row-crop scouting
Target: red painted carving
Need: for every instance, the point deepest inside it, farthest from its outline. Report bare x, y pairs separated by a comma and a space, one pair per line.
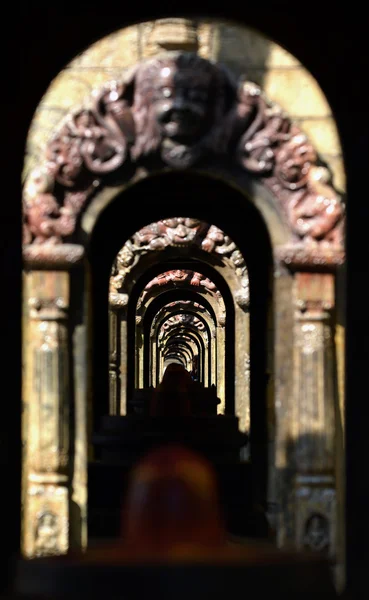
180, 232
183, 319
179, 110
181, 276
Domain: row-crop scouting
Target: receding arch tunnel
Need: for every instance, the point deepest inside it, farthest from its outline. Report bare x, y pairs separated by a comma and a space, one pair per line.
283, 183
193, 191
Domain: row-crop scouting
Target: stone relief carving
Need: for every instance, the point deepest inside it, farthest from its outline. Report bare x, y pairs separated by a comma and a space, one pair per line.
182, 276
183, 319
180, 232
179, 110
316, 516
316, 536
47, 533
179, 303
47, 528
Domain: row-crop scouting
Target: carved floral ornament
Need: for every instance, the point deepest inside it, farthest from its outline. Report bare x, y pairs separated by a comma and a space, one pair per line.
182, 319
179, 109
181, 305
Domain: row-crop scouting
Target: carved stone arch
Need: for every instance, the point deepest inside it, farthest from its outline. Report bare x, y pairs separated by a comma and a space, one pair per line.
180, 306
193, 280
187, 279
182, 319
127, 133
195, 341
194, 336
196, 310
129, 121
214, 319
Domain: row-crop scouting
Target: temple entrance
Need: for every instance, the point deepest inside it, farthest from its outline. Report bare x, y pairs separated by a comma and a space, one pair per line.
178, 176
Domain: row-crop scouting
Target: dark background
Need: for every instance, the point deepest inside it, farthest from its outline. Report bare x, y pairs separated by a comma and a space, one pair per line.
332, 42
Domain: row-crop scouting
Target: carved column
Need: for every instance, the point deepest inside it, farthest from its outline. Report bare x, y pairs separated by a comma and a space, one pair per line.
114, 371
47, 497
314, 405
139, 350
221, 363
161, 364
242, 364
118, 353
152, 366
213, 347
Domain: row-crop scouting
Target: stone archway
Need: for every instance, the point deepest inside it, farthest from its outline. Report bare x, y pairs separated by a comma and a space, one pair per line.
151, 331
174, 113
213, 247
192, 310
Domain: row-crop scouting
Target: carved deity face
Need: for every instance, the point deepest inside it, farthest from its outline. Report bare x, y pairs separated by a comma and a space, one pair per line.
181, 231
180, 99
179, 275
181, 104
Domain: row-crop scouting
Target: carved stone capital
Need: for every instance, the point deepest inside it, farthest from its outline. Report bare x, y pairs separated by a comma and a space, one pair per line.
48, 256
118, 300
242, 298
48, 309
313, 256
222, 319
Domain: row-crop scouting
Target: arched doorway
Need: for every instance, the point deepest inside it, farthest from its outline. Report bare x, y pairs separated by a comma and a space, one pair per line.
303, 216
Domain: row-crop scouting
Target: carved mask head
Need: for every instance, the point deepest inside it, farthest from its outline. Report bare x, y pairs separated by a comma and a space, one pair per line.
183, 92
181, 231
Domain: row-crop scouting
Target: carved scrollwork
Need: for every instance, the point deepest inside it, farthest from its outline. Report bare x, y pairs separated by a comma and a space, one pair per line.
180, 109
181, 232
257, 148
183, 319
182, 276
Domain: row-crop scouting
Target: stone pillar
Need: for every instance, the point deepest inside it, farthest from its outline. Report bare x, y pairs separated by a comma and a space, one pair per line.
114, 371
118, 367
221, 364
213, 347
161, 364
313, 410
281, 468
242, 364
153, 358
139, 350
48, 483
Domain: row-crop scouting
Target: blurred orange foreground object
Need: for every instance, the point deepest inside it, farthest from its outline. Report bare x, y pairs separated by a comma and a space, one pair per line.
172, 518
172, 502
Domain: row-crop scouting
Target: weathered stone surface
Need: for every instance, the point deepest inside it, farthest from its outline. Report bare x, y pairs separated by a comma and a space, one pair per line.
335, 164
322, 132
297, 92
168, 34
205, 33
119, 49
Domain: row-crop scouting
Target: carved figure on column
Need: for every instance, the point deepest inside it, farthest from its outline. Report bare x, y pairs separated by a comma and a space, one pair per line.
46, 539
